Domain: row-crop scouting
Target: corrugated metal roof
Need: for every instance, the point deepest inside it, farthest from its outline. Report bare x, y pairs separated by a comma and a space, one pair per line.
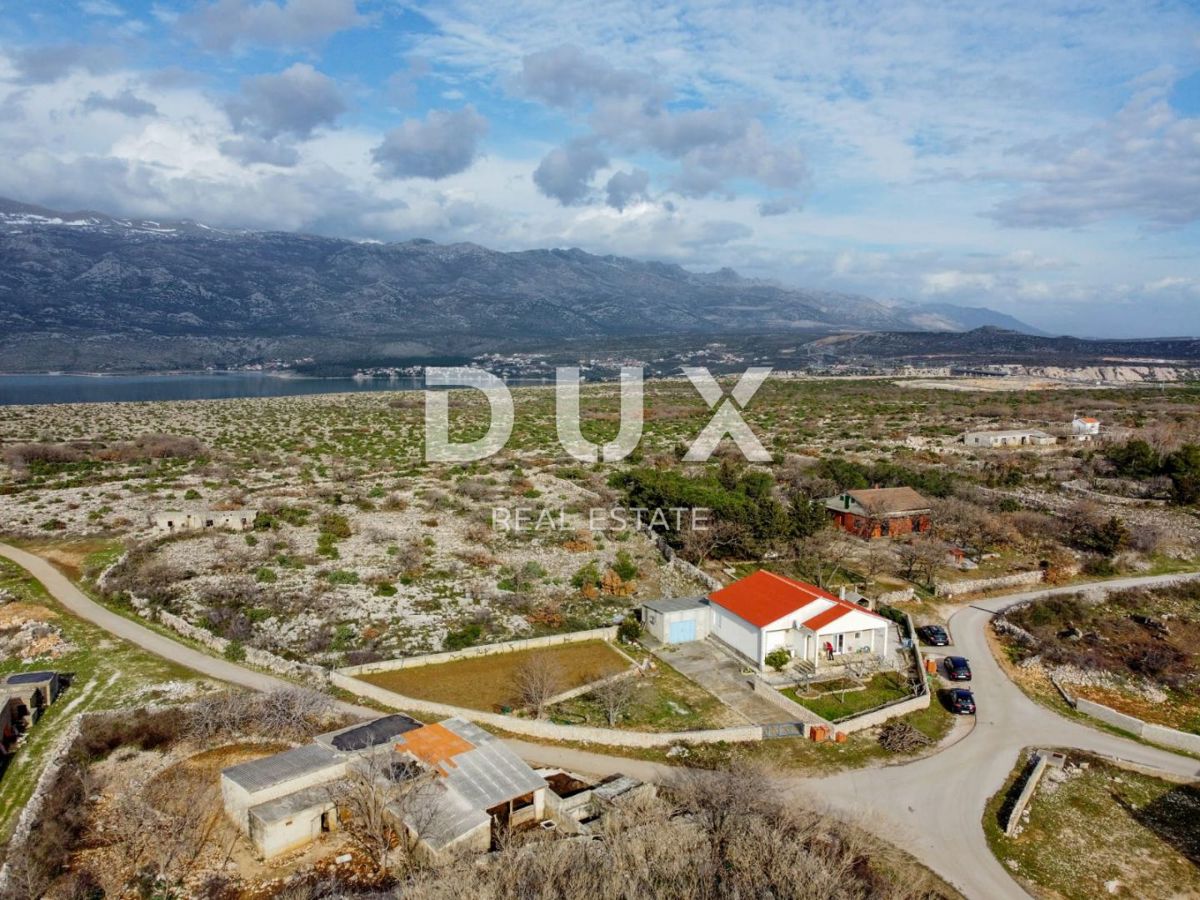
293, 804
489, 773
269, 771
440, 815
676, 604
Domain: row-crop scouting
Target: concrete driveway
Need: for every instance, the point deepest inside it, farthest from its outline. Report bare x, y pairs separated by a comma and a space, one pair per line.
720, 674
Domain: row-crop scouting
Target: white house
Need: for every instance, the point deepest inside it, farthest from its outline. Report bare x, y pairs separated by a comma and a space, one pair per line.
765, 611
1085, 428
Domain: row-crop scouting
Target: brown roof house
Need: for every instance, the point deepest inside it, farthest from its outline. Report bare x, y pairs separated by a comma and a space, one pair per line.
880, 512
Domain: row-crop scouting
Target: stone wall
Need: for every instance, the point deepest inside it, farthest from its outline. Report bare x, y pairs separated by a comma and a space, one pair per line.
262, 659
1031, 783
979, 585
789, 706
430, 659
879, 716
1156, 734
539, 728
59, 755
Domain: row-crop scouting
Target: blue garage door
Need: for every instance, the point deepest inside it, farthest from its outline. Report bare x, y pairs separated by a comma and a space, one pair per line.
682, 632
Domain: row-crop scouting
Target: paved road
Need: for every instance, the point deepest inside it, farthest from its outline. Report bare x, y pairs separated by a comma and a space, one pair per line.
931, 807
61, 588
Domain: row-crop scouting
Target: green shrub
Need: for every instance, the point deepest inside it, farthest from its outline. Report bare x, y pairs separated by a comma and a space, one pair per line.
385, 590
342, 576
624, 566
466, 636
235, 651
778, 658
629, 630
266, 575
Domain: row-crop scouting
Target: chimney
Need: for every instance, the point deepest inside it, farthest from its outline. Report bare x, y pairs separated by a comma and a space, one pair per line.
842, 592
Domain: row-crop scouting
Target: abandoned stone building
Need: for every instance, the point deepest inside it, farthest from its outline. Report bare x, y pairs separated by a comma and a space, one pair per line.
24, 697
173, 521
471, 784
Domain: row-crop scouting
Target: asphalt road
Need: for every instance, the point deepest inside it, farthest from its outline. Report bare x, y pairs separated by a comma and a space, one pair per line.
79, 603
932, 807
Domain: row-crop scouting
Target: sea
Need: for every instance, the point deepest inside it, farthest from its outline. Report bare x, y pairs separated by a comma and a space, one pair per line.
45, 389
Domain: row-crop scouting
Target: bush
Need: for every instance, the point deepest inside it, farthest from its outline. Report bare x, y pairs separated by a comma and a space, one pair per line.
235, 651
625, 567
335, 525
342, 576
629, 630
778, 658
466, 636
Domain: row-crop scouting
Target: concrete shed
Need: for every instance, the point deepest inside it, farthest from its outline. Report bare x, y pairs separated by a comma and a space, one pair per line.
677, 620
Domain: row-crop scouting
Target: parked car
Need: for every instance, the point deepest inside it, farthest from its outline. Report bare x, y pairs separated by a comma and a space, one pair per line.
934, 635
962, 702
957, 668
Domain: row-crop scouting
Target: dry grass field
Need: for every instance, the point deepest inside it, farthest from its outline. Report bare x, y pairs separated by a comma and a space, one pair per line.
488, 682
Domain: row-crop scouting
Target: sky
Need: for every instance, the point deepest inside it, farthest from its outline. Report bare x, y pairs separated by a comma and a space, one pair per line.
1038, 158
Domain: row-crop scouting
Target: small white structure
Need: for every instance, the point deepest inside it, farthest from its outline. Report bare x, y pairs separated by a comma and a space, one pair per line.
173, 521
764, 612
1085, 428
1029, 437
677, 620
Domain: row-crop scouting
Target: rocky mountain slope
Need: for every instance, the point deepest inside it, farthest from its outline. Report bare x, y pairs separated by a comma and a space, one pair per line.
86, 290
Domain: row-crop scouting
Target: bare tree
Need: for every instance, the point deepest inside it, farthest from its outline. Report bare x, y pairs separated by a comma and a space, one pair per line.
537, 680
385, 804
614, 696
921, 558
822, 555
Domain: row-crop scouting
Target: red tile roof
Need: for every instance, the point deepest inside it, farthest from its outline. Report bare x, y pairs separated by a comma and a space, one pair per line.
764, 597
821, 619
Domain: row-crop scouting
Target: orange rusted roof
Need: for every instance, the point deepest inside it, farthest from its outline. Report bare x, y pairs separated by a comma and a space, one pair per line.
435, 745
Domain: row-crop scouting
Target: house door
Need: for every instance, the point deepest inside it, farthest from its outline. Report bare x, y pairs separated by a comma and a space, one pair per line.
682, 632
839, 643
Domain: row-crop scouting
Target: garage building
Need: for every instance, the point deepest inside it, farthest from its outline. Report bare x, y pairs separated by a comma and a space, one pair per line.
677, 620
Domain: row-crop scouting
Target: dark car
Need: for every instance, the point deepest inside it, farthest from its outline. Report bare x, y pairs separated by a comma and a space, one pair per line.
962, 702
957, 668
934, 635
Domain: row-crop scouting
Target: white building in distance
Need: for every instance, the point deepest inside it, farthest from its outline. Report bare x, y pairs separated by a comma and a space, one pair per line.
1029, 437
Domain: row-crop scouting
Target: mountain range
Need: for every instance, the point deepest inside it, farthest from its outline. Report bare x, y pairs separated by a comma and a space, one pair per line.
90, 291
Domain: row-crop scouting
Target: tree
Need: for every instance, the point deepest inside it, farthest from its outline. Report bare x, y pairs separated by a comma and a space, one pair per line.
921, 558
384, 805
614, 696
537, 680
1183, 468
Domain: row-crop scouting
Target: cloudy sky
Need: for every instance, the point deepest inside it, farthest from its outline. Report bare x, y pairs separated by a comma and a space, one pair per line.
1041, 158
